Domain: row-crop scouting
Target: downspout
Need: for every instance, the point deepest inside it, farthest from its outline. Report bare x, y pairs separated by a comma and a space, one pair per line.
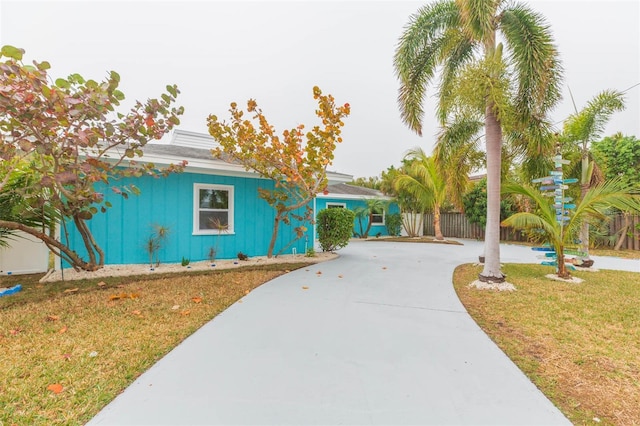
315, 215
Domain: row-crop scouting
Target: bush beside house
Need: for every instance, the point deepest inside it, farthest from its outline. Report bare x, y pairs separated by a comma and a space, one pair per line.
334, 228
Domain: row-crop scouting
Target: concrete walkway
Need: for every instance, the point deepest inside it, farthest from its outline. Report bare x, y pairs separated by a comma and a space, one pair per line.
379, 337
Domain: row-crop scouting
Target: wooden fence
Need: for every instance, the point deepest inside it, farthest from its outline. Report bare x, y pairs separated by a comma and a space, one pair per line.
456, 225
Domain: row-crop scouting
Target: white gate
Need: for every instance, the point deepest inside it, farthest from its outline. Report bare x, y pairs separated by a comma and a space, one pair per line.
25, 255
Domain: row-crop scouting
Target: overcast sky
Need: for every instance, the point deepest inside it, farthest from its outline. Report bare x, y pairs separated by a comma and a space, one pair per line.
223, 51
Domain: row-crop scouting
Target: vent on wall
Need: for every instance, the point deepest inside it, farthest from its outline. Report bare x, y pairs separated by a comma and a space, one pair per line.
192, 140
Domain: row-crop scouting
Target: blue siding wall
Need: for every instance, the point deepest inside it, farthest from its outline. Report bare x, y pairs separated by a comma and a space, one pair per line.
122, 231
321, 204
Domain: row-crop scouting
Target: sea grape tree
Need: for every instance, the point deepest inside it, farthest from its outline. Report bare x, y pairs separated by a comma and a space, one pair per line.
296, 161
69, 138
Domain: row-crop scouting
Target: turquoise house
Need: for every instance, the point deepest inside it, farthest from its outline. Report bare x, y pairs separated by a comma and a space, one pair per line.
343, 195
212, 204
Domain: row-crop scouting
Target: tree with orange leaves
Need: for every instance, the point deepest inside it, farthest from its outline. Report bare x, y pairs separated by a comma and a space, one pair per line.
296, 161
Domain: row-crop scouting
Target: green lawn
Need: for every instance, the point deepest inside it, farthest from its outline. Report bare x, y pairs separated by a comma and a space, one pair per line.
579, 343
67, 349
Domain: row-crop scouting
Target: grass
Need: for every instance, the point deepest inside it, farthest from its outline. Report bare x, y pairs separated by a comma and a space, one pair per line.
577, 342
90, 339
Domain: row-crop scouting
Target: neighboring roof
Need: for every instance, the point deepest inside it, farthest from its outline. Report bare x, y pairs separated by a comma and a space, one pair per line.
196, 148
346, 191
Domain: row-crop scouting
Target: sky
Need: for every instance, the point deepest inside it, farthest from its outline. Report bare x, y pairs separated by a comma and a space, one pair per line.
218, 52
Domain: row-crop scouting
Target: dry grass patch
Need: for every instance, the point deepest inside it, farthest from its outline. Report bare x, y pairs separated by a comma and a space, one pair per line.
64, 356
577, 342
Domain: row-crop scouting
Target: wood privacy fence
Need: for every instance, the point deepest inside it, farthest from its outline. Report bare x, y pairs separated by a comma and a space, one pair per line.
456, 225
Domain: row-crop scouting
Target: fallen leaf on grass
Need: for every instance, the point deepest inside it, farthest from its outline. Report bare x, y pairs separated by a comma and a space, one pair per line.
185, 313
63, 329
124, 296
52, 318
71, 290
55, 388
196, 299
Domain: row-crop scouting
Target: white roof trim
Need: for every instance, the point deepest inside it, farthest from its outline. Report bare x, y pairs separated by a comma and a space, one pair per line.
354, 197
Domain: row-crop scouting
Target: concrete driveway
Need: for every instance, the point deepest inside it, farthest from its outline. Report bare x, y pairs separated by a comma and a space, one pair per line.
378, 337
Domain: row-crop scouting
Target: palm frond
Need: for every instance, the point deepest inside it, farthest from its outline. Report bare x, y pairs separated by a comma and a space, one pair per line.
457, 153
459, 52
535, 59
417, 56
478, 17
589, 123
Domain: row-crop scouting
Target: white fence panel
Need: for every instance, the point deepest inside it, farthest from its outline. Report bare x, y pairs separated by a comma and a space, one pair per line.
25, 255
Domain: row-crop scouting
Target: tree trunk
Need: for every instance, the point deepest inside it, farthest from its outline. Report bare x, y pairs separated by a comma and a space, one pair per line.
366, 231
54, 245
493, 132
562, 268
274, 235
623, 232
436, 223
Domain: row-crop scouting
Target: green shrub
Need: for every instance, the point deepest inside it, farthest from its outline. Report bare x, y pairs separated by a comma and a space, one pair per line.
334, 228
475, 205
394, 224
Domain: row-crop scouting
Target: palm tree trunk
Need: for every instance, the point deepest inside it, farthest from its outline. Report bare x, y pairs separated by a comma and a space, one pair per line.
436, 223
562, 267
585, 185
493, 132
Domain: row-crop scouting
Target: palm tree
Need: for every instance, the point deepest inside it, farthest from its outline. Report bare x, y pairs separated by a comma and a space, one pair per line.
594, 206
373, 206
457, 155
15, 208
427, 186
459, 38
582, 128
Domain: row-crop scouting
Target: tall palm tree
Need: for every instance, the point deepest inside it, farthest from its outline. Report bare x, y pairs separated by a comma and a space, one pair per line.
459, 38
582, 128
427, 186
594, 206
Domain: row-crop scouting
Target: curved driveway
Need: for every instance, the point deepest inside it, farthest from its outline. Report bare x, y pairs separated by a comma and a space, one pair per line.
378, 337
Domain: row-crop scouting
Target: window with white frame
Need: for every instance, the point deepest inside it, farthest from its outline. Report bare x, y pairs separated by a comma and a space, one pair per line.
336, 205
377, 217
212, 209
